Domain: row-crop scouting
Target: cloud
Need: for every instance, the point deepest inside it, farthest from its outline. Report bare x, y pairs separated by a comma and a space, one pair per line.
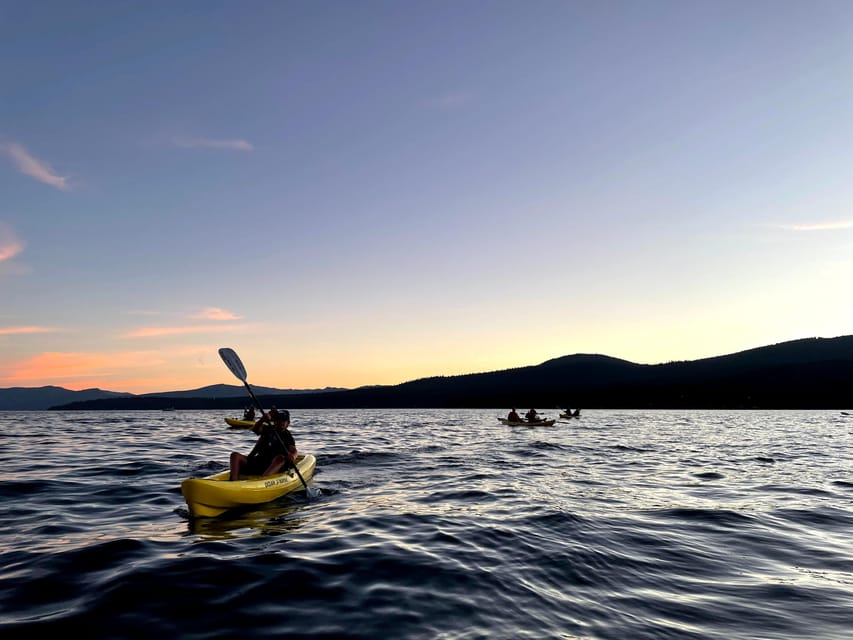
153, 332
13, 331
10, 246
10, 250
34, 167
215, 313
213, 143
210, 313
820, 226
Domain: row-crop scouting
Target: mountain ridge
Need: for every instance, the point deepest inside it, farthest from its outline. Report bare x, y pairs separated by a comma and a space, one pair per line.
45, 397
803, 373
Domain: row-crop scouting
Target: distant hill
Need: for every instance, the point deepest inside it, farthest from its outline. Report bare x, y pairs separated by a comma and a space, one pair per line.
807, 373
231, 391
40, 398
43, 398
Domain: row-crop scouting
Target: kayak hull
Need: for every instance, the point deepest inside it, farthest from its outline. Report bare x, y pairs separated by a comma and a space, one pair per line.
239, 424
213, 495
525, 423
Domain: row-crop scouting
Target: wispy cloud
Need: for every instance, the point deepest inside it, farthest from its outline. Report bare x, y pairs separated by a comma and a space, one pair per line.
215, 313
35, 168
10, 246
820, 226
12, 331
214, 143
152, 332
10, 250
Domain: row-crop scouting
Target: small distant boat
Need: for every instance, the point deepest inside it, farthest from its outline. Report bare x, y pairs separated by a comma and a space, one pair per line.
168, 408
571, 414
526, 423
239, 423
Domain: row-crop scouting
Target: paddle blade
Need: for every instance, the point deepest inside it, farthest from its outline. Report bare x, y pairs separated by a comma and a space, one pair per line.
233, 362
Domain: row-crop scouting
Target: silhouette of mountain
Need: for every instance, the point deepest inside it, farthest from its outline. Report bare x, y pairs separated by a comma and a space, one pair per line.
807, 373
231, 391
40, 398
43, 398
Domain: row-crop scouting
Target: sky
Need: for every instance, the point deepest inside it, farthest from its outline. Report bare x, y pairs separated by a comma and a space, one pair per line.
368, 192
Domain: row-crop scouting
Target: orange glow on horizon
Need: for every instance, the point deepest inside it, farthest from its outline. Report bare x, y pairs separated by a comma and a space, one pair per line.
77, 369
185, 367
134, 372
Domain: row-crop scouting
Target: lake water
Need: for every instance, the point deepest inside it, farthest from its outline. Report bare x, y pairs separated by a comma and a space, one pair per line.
435, 524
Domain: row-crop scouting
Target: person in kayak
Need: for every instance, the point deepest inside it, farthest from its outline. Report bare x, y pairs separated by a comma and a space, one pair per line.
513, 416
532, 416
274, 450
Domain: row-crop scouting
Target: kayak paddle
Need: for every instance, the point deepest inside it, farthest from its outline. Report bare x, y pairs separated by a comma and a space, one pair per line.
235, 365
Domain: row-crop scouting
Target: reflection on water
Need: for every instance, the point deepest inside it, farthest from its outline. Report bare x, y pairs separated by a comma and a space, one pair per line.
272, 519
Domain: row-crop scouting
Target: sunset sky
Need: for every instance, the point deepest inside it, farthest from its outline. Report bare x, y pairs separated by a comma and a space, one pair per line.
360, 192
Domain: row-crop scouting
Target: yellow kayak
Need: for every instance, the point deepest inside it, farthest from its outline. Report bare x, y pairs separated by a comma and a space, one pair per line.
214, 495
240, 424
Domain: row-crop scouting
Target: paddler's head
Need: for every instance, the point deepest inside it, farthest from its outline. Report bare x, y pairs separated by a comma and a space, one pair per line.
282, 418
278, 418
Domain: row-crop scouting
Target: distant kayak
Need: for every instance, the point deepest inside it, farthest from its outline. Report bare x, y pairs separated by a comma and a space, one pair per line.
239, 423
525, 423
568, 416
214, 495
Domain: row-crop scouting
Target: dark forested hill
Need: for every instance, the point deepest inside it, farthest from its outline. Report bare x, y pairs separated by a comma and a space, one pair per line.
807, 373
